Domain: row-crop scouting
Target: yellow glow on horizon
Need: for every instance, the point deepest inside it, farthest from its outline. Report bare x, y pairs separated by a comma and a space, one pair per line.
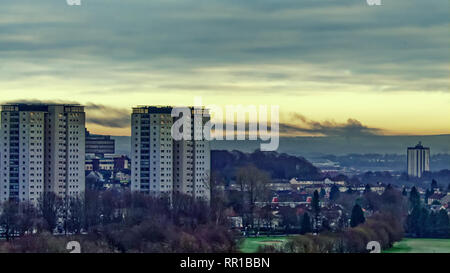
300, 89
397, 113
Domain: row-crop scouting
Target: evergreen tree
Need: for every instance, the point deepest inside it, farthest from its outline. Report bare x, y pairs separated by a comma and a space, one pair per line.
433, 225
442, 224
367, 189
334, 192
414, 217
357, 216
434, 185
315, 202
414, 198
424, 223
412, 222
428, 193
316, 209
404, 192
306, 224
322, 193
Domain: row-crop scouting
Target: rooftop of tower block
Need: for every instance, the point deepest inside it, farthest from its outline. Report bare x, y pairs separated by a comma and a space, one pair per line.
42, 107
419, 146
142, 109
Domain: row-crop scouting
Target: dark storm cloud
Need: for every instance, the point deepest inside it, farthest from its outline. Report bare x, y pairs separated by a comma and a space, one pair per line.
103, 115
300, 125
107, 116
402, 44
35, 101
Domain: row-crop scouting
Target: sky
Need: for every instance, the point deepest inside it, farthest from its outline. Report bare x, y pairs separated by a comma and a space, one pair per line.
334, 67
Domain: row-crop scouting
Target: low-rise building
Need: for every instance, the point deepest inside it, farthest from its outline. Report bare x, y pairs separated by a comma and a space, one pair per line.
436, 197
99, 144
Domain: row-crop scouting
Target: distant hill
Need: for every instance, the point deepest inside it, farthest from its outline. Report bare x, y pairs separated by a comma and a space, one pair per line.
310, 147
279, 166
372, 150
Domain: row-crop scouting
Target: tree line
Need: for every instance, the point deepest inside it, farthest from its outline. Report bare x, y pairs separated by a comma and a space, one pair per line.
115, 221
385, 224
384, 228
424, 223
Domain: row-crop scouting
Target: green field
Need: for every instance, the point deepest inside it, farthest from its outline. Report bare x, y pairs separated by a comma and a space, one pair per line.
251, 244
420, 246
408, 245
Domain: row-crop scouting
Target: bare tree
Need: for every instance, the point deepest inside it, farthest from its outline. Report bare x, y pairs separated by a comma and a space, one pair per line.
9, 219
75, 215
50, 205
28, 218
254, 184
215, 185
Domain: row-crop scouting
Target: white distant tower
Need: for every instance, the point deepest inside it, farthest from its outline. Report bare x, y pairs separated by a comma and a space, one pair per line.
418, 160
42, 150
192, 160
163, 166
151, 150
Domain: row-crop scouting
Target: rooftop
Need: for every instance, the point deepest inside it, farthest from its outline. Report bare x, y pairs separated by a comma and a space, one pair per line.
419, 146
159, 109
43, 107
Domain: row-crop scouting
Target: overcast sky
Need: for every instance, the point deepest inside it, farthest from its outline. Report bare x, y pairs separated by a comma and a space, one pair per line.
333, 66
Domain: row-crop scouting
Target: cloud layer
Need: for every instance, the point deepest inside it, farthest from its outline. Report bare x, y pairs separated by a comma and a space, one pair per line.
300, 125
296, 124
107, 116
96, 114
402, 45
119, 53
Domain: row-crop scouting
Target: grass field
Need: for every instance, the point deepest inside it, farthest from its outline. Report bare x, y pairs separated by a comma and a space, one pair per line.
251, 244
409, 245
